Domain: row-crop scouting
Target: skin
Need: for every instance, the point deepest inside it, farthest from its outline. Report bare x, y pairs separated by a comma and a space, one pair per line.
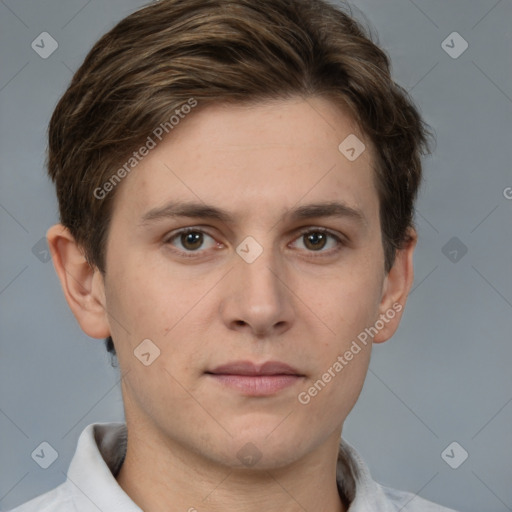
300, 303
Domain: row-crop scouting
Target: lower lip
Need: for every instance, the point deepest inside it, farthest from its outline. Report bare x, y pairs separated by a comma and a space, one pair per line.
257, 385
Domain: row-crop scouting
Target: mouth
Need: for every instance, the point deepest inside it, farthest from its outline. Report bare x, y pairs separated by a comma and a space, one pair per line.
251, 379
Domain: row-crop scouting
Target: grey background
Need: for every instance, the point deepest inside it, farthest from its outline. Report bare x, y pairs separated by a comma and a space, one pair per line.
444, 377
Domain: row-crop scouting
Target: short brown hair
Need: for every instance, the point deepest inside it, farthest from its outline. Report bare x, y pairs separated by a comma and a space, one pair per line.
156, 60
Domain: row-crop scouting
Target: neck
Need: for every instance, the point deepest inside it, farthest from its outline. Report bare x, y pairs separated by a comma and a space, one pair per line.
159, 475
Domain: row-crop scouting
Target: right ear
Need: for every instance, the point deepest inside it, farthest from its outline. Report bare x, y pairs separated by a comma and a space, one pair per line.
82, 284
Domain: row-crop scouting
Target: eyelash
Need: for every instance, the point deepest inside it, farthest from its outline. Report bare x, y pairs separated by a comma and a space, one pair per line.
195, 254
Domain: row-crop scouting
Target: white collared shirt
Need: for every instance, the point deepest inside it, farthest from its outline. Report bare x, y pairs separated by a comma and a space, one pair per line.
91, 485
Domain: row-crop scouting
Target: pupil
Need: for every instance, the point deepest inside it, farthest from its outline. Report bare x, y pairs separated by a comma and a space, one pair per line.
317, 240
192, 240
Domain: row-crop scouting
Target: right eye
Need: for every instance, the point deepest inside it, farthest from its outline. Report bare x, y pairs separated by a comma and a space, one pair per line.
191, 240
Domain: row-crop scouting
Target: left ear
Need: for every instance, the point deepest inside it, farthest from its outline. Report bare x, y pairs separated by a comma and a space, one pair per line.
395, 289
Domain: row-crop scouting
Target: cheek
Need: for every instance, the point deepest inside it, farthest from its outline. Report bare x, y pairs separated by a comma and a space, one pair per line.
341, 359
330, 396
139, 304
351, 302
146, 303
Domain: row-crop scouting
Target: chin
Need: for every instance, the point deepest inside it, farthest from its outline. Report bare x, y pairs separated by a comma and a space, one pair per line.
260, 448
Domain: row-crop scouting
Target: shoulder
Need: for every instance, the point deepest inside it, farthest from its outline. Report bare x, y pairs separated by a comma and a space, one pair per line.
365, 494
404, 501
66, 497
90, 485
56, 500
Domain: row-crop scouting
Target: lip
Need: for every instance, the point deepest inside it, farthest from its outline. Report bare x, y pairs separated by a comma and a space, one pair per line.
252, 369
253, 379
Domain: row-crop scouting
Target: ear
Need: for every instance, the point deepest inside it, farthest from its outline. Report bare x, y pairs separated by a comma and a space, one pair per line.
396, 287
82, 284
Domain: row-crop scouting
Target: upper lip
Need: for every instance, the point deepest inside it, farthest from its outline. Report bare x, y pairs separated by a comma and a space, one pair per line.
250, 368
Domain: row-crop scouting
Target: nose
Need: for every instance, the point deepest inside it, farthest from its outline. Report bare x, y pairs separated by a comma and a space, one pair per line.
257, 300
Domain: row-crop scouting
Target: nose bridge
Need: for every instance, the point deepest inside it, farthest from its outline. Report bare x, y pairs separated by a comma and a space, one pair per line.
258, 270
259, 298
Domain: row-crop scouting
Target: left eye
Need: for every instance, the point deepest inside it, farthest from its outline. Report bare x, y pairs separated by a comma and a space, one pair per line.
192, 240
318, 240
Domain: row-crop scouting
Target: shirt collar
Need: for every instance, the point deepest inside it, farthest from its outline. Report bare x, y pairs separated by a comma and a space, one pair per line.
99, 454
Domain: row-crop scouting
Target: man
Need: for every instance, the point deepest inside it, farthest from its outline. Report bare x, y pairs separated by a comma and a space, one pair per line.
236, 184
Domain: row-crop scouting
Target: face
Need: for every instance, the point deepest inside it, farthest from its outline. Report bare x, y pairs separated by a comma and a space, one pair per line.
247, 248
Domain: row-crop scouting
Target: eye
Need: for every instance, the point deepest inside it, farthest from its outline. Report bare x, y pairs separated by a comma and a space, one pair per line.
191, 240
319, 240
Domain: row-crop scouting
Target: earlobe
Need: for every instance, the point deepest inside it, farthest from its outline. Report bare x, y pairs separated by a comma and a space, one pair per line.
81, 283
396, 288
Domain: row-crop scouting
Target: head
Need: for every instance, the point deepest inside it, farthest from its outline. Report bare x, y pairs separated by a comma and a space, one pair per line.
242, 109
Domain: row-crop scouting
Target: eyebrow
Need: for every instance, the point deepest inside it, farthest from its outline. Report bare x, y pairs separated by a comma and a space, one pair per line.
200, 210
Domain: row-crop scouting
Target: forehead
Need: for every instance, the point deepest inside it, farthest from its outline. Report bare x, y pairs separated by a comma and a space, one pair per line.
256, 160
